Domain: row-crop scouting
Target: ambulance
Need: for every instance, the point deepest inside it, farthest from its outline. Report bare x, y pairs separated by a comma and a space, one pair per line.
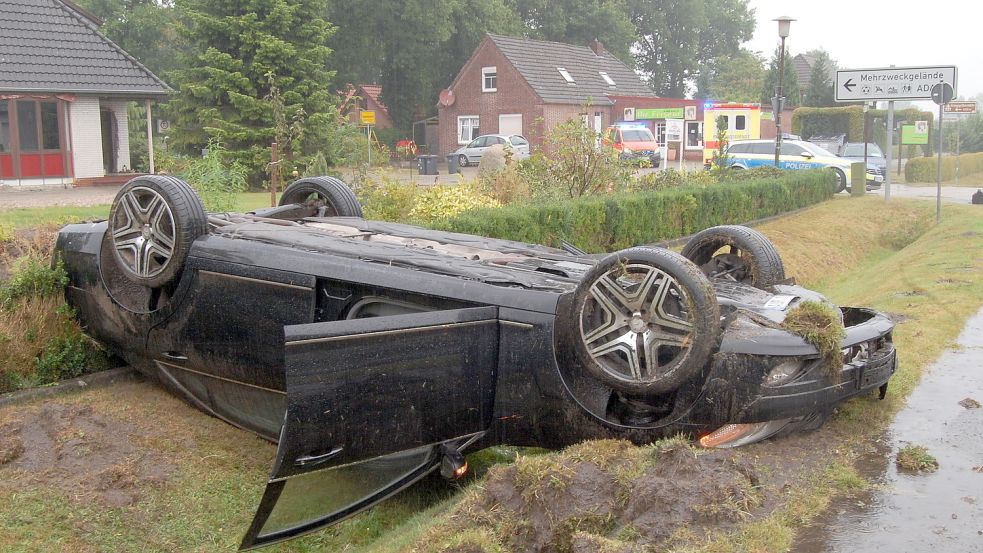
742, 120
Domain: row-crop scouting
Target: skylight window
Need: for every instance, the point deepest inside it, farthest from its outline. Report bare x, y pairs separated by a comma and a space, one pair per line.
607, 78
566, 75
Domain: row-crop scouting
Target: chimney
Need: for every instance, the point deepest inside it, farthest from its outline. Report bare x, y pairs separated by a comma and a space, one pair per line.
597, 47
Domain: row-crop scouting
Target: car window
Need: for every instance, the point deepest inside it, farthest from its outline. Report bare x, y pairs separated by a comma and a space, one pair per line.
492, 140
518, 140
738, 148
763, 148
476, 143
637, 135
818, 150
857, 150
740, 123
792, 149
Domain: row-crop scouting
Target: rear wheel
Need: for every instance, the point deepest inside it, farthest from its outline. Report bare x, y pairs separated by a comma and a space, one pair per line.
462, 160
736, 253
322, 197
647, 321
152, 223
840, 180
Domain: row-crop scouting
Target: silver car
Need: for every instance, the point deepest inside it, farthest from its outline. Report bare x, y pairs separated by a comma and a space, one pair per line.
471, 154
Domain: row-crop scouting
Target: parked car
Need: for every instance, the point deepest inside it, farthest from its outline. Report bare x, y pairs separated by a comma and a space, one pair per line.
854, 151
635, 142
471, 154
374, 353
797, 154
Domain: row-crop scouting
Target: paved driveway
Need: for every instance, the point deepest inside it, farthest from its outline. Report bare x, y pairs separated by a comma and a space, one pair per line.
950, 194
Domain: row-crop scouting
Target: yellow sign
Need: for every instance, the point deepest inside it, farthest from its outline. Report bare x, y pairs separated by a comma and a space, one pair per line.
368, 117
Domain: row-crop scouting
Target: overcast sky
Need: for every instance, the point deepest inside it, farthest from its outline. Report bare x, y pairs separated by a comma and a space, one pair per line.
860, 34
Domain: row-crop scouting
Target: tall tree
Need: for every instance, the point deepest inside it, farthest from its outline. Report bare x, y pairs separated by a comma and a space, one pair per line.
238, 53
420, 55
146, 29
820, 91
677, 37
790, 81
580, 21
737, 77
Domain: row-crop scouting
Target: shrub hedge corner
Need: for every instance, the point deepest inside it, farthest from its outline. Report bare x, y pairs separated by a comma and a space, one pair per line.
925, 169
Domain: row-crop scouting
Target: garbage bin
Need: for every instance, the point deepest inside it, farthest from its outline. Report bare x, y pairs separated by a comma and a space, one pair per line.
426, 165
452, 166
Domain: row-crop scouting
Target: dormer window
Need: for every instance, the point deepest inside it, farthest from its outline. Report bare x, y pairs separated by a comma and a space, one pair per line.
607, 79
566, 75
489, 79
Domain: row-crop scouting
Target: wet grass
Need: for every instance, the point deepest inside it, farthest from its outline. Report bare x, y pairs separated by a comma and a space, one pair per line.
915, 459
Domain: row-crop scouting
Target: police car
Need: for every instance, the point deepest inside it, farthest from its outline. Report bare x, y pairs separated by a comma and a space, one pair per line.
796, 154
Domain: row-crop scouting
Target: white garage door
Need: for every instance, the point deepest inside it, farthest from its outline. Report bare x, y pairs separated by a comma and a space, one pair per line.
510, 123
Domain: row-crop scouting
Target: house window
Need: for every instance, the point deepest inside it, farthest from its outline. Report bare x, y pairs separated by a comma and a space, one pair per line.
607, 79
467, 128
660, 133
694, 135
489, 79
566, 75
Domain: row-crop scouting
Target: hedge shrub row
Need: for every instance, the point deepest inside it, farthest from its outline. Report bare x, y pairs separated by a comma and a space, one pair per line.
925, 169
612, 222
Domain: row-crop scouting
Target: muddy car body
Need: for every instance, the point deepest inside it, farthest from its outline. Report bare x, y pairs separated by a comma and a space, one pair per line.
372, 353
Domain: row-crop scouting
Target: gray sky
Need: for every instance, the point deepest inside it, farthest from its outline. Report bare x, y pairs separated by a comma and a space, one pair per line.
878, 33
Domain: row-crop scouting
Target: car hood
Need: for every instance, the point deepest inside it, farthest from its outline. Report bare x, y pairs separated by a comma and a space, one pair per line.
641, 145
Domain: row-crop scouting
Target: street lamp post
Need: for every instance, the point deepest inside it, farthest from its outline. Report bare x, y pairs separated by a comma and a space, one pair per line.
778, 104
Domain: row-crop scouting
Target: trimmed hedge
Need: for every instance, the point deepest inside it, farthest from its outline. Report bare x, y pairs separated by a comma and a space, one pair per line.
613, 222
925, 169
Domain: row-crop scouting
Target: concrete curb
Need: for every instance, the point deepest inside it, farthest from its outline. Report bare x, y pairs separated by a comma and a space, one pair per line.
99, 380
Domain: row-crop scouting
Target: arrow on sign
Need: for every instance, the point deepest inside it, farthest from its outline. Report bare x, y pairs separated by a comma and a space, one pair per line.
849, 84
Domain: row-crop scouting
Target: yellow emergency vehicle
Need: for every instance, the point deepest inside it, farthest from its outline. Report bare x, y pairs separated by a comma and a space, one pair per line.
743, 122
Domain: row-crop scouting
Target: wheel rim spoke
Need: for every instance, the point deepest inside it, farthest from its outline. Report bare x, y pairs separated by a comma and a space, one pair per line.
143, 232
634, 313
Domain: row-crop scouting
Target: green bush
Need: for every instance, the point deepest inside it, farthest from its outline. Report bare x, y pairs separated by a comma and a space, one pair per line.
217, 178
925, 169
606, 223
32, 277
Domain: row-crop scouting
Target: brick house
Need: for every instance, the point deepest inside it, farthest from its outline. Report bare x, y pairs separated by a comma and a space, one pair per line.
521, 86
64, 92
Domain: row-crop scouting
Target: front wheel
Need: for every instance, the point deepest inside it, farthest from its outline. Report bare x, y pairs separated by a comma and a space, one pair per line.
322, 197
647, 320
736, 253
462, 160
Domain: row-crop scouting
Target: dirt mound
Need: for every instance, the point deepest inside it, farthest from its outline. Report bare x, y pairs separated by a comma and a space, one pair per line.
84, 454
604, 496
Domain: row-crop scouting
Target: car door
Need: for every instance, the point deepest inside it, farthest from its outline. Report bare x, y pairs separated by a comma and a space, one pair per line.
795, 157
372, 405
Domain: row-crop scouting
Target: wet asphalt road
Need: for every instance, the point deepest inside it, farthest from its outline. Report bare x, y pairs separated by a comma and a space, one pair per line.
940, 512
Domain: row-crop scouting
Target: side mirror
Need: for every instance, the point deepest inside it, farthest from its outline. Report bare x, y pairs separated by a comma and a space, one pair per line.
807, 155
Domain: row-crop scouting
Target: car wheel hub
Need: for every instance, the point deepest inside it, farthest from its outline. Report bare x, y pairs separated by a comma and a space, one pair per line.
143, 232
636, 323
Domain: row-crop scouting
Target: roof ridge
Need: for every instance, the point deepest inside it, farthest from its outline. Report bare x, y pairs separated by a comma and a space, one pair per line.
82, 18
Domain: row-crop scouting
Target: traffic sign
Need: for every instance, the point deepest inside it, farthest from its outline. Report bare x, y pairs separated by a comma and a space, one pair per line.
892, 83
942, 93
368, 117
960, 107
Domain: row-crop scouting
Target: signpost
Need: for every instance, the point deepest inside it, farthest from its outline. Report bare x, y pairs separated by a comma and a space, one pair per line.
958, 109
674, 133
368, 119
941, 94
891, 84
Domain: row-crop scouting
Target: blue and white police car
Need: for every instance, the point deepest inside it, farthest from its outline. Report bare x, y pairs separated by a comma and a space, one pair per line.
796, 154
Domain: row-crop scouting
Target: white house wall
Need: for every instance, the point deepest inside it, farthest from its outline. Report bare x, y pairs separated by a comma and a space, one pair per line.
122, 133
86, 137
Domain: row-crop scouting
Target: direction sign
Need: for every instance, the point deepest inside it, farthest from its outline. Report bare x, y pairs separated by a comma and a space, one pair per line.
892, 83
960, 107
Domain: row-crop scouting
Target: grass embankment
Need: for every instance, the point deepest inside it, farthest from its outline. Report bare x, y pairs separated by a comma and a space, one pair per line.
860, 252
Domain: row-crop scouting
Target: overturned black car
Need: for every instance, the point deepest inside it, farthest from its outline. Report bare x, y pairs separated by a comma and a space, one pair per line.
373, 353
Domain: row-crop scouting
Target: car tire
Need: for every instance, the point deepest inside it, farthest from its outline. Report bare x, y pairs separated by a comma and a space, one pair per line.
840, 180
645, 321
462, 160
329, 193
755, 261
153, 222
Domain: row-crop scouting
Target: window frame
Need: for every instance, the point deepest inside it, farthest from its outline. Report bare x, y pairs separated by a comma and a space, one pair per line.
699, 126
566, 75
475, 128
491, 72
607, 78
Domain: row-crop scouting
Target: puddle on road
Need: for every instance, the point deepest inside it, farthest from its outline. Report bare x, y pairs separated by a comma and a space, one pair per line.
937, 512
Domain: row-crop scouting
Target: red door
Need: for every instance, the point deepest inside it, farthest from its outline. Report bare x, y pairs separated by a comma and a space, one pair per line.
6, 142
